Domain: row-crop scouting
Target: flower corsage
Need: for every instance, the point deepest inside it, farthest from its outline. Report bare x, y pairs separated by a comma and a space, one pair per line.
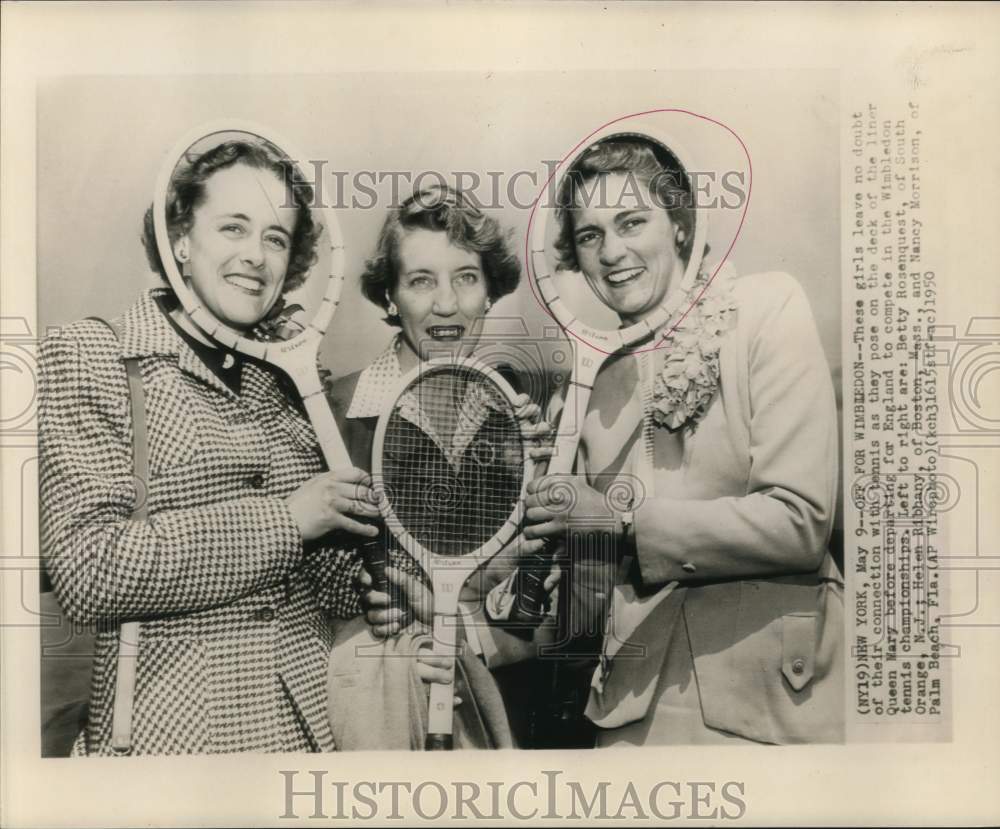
684, 388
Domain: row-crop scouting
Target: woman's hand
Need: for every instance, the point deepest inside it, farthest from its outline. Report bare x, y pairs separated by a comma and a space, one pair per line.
553, 501
387, 621
416, 602
433, 668
326, 502
533, 429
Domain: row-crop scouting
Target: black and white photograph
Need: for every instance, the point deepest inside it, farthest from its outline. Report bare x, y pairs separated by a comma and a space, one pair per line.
605, 430
645, 562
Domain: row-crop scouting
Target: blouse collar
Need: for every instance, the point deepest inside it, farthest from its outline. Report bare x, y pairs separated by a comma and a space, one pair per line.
377, 384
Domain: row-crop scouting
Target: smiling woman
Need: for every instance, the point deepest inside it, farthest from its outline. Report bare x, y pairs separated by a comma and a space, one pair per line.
208, 578
708, 447
254, 238
439, 265
632, 232
627, 248
236, 255
441, 295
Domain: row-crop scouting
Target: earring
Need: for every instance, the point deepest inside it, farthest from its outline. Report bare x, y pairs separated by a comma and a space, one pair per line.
489, 303
392, 310
680, 236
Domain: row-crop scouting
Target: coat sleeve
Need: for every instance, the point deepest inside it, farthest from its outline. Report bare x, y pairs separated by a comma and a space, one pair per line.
104, 564
333, 570
782, 524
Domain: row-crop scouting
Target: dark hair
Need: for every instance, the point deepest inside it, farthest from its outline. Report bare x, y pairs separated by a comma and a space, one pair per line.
187, 193
441, 208
646, 160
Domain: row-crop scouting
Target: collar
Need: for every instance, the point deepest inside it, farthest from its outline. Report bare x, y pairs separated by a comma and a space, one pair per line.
226, 363
377, 384
147, 332
471, 412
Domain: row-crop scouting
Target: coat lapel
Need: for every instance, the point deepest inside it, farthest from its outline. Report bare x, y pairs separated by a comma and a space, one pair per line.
147, 332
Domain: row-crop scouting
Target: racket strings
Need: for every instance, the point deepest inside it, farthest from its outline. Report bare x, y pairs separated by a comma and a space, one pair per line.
453, 460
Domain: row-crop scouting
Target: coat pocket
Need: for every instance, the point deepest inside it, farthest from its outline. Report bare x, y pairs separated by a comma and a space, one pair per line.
768, 659
798, 649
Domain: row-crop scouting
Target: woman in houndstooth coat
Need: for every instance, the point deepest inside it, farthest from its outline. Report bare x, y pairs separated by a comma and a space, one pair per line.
227, 574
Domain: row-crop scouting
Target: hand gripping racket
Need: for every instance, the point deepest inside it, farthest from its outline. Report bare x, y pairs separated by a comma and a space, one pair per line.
452, 467
591, 348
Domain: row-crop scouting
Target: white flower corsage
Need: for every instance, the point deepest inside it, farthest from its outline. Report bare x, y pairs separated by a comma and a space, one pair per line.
689, 379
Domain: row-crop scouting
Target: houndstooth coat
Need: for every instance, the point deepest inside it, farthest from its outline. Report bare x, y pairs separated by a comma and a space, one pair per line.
234, 641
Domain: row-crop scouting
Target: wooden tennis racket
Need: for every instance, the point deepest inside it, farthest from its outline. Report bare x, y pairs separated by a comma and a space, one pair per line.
592, 347
295, 354
452, 465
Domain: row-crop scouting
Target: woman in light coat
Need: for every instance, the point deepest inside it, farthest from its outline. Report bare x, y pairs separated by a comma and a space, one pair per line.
725, 622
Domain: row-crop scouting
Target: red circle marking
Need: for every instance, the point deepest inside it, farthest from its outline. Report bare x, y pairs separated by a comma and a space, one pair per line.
531, 218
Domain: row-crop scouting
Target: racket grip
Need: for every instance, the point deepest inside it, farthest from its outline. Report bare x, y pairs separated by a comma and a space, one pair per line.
438, 742
529, 587
373, 557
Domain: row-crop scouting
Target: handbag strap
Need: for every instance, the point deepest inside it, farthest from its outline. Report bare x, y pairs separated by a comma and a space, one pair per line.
128, 634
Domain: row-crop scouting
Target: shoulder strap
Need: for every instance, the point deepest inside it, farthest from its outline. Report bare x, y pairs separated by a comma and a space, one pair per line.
140, 443
128, 635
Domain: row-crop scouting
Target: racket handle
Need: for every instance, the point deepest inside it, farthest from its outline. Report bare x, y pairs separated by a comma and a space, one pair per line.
373, 557
441, 697
529, 587
438, 742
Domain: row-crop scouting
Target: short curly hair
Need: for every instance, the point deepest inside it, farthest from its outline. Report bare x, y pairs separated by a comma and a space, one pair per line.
447, 210
187, 193
649, 162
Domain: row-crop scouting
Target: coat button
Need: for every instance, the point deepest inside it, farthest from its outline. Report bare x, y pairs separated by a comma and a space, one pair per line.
264, 614
798, 666
256, 481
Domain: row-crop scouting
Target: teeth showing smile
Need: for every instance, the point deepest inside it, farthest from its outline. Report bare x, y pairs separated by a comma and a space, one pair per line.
624, 275
446, 332
247, 284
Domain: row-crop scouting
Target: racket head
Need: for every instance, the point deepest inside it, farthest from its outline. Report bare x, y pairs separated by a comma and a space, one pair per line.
451, 464
324, 281
673, 157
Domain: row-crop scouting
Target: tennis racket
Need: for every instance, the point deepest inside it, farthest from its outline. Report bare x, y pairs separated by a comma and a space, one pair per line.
592, 347
294, 347
452, 466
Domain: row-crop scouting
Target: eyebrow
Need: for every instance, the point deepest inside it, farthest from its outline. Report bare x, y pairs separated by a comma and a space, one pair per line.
618, 217
244, 217
431, 272
632, 210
